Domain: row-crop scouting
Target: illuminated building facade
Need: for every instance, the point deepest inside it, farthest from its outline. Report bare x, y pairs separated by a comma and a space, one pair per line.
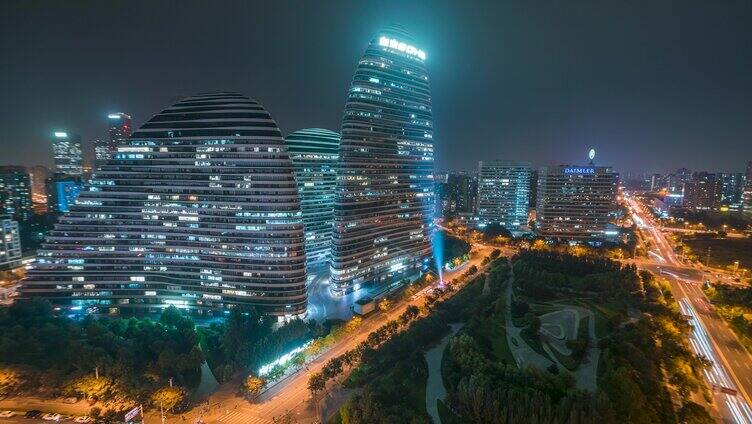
15, 192
199, 210
462, 192
314, 153
118, 132
384, 201
747, 193
504, 193
66, 150
732, 189
10, 242
704, 191
575, 202
62, 192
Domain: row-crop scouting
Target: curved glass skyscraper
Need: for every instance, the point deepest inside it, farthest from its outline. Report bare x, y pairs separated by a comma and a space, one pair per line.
314, 153
199, 209
384, 198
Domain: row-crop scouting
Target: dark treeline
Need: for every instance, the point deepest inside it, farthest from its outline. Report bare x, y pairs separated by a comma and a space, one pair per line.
547, 274
52, 355
248, 339
391, 374
734, 304
644, 359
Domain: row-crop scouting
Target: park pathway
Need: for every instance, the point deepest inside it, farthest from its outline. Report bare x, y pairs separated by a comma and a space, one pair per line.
522, 353
435, 389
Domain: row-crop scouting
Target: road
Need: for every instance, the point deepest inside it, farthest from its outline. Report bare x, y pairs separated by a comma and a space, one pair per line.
732, 364
291, 395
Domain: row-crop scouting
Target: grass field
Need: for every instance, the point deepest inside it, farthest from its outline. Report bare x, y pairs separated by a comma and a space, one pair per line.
723, 252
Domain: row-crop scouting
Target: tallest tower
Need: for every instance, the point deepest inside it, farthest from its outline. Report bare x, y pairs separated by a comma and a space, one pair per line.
384, 192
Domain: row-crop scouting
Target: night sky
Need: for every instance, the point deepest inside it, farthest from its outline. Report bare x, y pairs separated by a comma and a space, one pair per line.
651, 85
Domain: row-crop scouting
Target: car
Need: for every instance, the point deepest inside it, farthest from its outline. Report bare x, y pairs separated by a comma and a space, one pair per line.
34, 413
83, 419
7, 414
51, 416
70, 400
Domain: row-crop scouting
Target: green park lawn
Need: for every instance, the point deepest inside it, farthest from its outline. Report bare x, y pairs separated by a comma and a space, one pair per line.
723, 252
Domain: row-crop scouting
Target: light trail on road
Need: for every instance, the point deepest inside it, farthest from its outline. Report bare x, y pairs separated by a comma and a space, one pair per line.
717, 375
716, 347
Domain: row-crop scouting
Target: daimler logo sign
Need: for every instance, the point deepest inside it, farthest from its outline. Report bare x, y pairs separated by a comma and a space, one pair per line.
579, 170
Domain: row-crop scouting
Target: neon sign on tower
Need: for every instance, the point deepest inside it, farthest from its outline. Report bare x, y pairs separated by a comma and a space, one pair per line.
403, 47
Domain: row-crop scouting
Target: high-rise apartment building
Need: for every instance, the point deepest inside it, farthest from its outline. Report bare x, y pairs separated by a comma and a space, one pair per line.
314, 153
118, 132
704, 191
503, 193
199, 210
575, 202
15, 192
10, 242
66, 149
384, 201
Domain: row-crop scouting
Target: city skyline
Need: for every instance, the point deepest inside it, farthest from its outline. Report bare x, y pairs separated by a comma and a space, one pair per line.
674, 86
375, 212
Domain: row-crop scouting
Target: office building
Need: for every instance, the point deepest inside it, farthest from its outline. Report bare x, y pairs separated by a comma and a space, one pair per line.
118, 132
15, 193
10, 242
62, 192
747, 192
504, 193
384, 201
575, 202
703, 192
463, 192
66, 149
39, 175
314, 153
199, 210
732, 188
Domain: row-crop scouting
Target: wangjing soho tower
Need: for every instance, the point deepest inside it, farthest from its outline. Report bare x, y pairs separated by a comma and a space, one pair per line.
384, 199
199, 209
314, 153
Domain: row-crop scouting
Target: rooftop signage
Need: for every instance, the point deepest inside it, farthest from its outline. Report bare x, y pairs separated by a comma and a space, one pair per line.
579, 170
61, 134
403, 47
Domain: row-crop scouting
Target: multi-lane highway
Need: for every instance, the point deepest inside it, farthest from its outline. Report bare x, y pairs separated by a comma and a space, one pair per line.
730, 375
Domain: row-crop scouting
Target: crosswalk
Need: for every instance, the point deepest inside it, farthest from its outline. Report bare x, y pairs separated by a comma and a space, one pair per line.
243, 416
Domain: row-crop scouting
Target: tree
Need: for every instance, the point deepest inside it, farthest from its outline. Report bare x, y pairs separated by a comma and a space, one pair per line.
316, 383
168, 397
10, 380
692, 413
385, 305
533, 325
253, 385
286, 418
353, 324
492, 231
91, 387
